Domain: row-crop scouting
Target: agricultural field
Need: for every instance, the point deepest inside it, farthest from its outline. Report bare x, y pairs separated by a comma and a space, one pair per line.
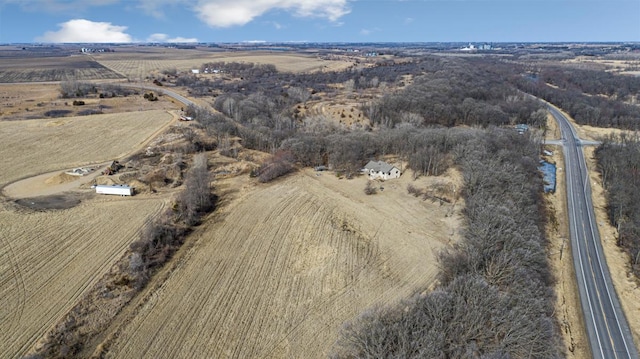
31, 147
138, 66
27, 101
279, 267
49, 260
44, 69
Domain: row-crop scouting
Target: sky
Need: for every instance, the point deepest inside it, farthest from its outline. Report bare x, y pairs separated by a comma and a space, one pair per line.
125, 21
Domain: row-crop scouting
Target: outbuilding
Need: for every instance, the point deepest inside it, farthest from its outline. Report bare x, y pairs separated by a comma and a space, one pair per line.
117, 189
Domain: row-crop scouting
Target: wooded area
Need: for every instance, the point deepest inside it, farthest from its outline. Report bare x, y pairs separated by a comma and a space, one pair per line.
495, 298
594, 98
619, 164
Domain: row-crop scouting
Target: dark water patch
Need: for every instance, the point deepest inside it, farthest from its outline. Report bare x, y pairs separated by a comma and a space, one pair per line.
53, 202
549, 176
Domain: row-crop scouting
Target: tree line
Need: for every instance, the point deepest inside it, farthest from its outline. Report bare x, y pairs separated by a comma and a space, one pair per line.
619, 165
591, 97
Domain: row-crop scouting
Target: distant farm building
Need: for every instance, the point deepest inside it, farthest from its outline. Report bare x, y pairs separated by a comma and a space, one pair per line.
195, 71
381, 170
116, 189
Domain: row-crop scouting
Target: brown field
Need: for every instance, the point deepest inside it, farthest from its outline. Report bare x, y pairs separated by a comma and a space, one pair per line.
278, 269
139, 66
23, 101
31, 147
48, 260
628, 66
42, 69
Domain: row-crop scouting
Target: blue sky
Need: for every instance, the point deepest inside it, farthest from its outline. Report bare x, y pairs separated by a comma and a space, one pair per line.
24, 21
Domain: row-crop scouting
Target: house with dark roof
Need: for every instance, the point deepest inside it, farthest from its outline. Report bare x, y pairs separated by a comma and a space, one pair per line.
381, 170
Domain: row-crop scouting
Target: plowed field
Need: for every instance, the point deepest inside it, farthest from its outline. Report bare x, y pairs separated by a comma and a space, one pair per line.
31, 147
280, 267
48, 260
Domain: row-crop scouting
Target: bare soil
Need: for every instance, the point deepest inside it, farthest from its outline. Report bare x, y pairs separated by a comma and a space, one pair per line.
41, 69
49, 259
279, 267
72, 141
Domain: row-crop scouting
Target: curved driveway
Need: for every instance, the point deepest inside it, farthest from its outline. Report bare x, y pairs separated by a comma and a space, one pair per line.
161, 89
607, 327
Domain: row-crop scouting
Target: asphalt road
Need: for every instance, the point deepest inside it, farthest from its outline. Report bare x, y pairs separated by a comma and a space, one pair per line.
607, 328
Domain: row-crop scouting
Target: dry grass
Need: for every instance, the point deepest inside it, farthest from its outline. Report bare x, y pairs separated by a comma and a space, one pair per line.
280, 267
31, 147
48, 260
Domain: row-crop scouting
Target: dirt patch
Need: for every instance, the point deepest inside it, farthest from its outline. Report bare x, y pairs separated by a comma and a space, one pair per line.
60, 178
56, 201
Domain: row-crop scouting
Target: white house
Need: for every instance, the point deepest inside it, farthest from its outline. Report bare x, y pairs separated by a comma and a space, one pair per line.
381, 170
121, 190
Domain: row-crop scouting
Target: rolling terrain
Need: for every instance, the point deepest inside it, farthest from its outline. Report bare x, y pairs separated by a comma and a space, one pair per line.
279, 268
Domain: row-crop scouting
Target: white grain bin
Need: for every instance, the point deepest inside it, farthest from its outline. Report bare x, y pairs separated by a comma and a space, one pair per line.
117, 189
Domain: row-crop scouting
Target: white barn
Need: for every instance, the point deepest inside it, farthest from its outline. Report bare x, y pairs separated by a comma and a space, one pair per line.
381, 170
120, 190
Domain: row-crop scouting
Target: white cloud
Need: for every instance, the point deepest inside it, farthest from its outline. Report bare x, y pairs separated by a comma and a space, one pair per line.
157, 38
227, 13
367, 32
165, 38
81, 30
182, 39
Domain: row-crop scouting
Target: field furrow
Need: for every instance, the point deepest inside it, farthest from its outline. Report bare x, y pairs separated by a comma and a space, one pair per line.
55, 258
283, 267
31, 147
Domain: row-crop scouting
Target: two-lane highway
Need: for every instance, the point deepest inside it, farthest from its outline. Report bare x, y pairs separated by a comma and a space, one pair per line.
607, 327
